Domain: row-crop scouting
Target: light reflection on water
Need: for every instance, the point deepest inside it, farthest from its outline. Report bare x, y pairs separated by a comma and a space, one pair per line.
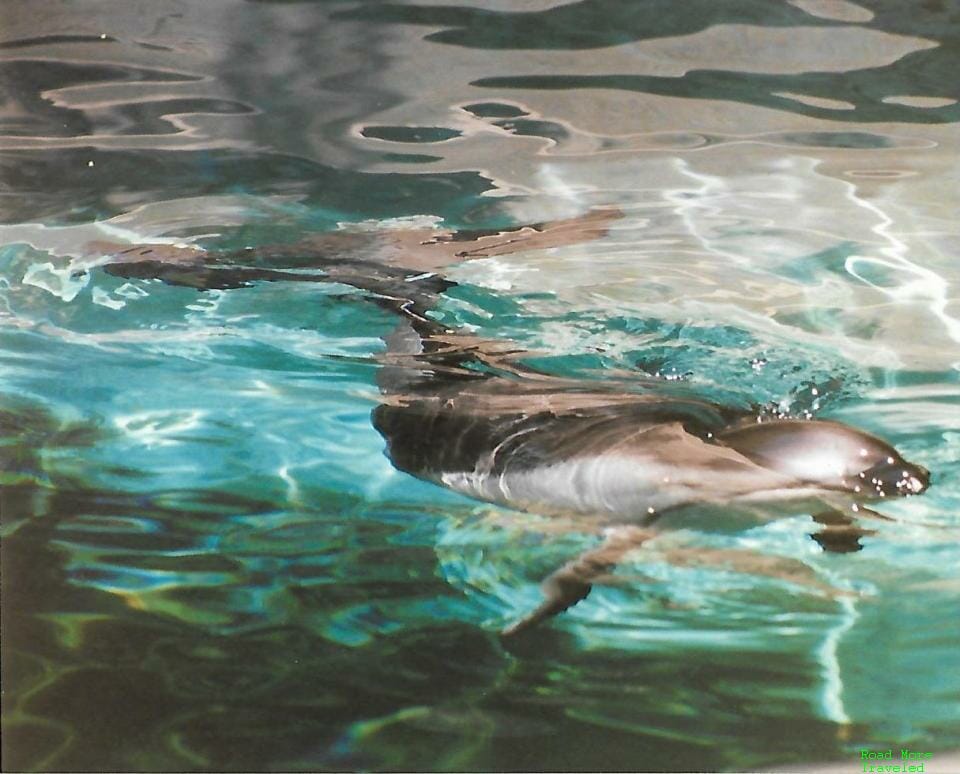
208, 561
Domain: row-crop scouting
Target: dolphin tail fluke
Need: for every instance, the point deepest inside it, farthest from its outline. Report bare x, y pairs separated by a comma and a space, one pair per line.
573, 582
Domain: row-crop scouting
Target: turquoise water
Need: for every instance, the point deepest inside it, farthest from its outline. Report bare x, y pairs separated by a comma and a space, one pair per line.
208, 561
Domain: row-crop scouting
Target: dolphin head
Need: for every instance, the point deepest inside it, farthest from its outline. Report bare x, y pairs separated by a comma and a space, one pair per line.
894, 476
829, 455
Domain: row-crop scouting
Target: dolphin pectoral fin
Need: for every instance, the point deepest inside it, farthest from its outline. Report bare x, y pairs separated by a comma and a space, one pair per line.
570, 584
845, 518
840, 533
841, 539
562, 591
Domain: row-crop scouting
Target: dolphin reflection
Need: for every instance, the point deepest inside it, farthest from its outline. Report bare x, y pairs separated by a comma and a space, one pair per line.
629, 458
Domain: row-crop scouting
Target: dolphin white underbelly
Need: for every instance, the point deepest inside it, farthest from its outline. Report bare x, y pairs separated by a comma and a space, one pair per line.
628, 487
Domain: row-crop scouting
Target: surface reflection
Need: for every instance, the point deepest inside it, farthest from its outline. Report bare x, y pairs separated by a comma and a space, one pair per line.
209, 563
633, 457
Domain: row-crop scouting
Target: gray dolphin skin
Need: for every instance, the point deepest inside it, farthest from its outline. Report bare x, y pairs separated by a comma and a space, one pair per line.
629, 458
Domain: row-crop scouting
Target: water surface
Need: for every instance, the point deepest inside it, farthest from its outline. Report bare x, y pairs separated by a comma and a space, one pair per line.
209, 563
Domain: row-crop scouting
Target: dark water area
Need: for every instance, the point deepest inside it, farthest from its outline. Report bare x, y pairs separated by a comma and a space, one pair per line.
210, 563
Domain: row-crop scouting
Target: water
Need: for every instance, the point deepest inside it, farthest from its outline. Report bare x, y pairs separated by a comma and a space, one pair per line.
209, 563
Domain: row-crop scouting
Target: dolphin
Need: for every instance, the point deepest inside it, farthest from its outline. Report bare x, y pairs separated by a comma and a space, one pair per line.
631, 457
